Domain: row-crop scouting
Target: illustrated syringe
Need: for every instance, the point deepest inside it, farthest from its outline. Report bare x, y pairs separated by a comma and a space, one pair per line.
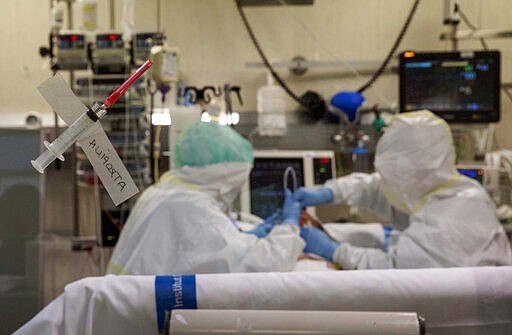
83, 123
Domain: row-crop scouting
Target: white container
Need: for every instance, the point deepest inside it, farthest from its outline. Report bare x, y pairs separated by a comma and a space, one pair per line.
271, 109
87, 15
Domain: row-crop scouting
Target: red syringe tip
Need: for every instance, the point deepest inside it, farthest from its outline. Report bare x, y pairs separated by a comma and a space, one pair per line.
129, 82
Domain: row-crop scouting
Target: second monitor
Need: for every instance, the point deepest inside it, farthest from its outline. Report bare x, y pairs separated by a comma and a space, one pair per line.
264, 192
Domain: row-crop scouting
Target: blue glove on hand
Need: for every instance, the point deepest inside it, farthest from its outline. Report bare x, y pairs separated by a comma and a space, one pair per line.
291, 209
264, 228
313, 196
261, 230
318, 243
274, 218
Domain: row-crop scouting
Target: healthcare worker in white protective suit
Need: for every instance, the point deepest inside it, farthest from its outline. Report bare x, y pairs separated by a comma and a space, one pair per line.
181, 225
439, 217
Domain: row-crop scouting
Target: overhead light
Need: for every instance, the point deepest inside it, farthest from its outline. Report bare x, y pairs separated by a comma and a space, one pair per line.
205, 117
161, 117
229, 119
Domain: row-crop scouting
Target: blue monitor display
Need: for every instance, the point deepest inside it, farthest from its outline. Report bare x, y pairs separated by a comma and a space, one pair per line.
461, 87
474, 173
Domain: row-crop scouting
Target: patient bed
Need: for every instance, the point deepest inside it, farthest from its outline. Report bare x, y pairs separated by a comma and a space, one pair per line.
465, 301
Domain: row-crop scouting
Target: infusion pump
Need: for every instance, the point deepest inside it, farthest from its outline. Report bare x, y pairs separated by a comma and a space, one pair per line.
70, 49
109, 54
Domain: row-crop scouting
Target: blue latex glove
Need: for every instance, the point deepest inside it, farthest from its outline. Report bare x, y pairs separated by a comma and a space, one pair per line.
264, 228
291, 209
318, 243
313, 196
261, 230
274, 218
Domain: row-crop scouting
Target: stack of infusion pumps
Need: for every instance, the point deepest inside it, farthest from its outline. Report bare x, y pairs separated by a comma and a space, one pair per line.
126, 125
103, 52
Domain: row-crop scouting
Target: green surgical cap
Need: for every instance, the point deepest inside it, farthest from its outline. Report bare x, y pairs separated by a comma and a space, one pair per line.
207, 143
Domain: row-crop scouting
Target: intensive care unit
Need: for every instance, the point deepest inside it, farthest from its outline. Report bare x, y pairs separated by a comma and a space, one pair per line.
256, 167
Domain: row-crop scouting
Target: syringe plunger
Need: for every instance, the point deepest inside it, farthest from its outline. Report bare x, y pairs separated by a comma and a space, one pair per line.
67, 138
43, 160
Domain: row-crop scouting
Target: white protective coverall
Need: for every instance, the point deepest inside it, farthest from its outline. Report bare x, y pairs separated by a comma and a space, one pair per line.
451, 219
180, 226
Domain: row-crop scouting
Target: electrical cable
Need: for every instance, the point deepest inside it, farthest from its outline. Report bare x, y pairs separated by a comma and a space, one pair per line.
385, 63
262, 54
311, 101
331, 54
317, 41
302, 101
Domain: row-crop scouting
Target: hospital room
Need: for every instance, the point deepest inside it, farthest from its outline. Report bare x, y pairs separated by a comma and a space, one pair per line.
256, 167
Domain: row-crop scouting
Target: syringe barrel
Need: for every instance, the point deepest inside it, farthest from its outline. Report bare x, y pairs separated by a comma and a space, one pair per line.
70, 135
66, 139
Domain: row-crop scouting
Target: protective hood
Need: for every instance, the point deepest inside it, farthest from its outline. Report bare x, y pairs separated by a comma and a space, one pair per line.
209, 143
415, 158
222, 181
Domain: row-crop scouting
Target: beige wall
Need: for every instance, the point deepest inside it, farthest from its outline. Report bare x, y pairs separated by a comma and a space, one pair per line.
215, 46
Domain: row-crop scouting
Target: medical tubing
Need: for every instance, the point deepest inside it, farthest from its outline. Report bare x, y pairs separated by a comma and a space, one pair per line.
384, 64
156, 154
289, 171
262, 55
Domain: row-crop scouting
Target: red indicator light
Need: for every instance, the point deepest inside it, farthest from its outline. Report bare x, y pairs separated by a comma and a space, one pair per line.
112, 37
325, 160
74, 37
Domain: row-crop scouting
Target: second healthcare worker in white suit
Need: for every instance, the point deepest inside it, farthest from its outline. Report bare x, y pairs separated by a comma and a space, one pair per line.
440, 218
180, 225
